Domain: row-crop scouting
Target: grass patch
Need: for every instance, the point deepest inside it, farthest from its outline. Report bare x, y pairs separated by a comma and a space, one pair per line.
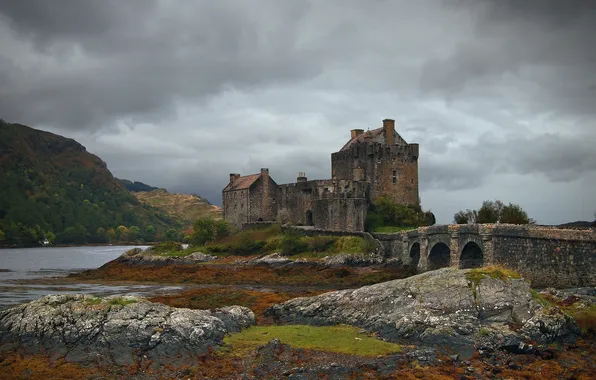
120, 301
493, 271
339, 339
93, 301
392, 229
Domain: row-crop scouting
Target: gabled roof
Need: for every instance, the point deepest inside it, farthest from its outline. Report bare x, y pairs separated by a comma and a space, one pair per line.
376, 135
243, 182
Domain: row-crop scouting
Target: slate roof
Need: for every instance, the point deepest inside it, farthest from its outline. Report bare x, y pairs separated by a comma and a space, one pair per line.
243, 182
368, 135
375, 135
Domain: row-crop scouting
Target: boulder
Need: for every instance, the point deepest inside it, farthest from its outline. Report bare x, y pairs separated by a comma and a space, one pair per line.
116, 330
443, 307
272, 259
139, 257
354, 259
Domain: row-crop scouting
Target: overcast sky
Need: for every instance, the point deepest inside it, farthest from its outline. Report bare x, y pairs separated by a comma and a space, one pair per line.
500, 94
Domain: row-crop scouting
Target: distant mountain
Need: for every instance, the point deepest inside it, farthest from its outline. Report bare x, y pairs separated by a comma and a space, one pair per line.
136, 186
579, 225
51, 187
182, 208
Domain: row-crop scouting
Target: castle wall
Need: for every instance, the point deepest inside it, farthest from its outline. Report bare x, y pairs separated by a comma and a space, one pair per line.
236, 207
340, 214
263, 200
392, 170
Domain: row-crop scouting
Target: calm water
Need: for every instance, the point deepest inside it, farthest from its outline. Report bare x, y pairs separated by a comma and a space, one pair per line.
20, 265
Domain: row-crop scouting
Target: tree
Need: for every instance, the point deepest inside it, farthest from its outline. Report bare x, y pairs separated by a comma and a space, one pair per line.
493, 212
122, 233
74, 234
465, 217
514, 214
385, 212
111, 234
490, 212
2, 236
150, 233
208, 229
134, 232
172, 235
50, 237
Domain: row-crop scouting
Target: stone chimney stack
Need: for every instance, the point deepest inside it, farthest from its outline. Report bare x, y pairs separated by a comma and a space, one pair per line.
266, 206
389, 130
356, 132
301, 177
233, 177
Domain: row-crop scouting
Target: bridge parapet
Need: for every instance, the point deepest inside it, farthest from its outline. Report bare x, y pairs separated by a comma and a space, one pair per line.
547, 256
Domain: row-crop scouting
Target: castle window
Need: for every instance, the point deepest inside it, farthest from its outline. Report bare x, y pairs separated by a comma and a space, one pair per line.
395, 176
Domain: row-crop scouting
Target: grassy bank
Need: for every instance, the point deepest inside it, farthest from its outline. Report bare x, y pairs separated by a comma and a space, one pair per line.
293, 244
339, 339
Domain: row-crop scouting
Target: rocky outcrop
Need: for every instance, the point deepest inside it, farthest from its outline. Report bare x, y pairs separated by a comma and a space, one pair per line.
116, 330
354, 259
443, 307
139, 257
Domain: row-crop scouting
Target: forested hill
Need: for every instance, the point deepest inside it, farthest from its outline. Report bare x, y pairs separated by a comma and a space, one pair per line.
51, 187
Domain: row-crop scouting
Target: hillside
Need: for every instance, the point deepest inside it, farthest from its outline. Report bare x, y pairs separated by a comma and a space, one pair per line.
51, 187
182, 208
136, 186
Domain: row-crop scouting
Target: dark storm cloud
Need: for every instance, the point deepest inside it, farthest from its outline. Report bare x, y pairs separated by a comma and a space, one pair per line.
136, 59
180, 94
547, 43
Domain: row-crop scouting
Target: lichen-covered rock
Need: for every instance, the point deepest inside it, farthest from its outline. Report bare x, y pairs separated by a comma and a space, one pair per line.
354, 259
116, 330
272, 259
439, 307
139, 257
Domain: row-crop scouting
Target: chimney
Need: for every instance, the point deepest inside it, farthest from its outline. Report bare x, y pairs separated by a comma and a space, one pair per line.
389, 130
233, 177
301, 177
266, 213
356, 132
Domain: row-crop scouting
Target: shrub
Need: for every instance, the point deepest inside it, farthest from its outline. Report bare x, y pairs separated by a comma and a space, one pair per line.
321, 243
168, 246
208, 229
292, 243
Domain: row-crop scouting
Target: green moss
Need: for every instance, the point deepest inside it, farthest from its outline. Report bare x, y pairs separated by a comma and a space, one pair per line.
121, 301
93, 301
483, 331
340, 339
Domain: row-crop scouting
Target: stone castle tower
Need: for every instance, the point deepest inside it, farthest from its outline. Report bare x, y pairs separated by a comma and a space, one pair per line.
382, 158
371, 164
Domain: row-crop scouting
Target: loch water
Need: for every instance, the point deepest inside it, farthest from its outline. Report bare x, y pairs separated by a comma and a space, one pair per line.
23, 270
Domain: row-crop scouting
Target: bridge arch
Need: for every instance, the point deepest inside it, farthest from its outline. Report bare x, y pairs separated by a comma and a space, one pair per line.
471, 256
414, 256
439, 256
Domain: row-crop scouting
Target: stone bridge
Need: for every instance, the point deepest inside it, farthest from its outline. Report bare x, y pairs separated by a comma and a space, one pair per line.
546, 256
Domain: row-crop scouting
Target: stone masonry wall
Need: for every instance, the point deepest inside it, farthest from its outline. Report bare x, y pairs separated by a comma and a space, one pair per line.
236, 207
263, 205
545, 256
380, 162
340, 214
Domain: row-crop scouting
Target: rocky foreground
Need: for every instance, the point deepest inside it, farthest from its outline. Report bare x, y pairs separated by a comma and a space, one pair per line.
116, 330
449, 307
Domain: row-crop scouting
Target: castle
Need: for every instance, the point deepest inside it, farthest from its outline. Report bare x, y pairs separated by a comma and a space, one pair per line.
371, 164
